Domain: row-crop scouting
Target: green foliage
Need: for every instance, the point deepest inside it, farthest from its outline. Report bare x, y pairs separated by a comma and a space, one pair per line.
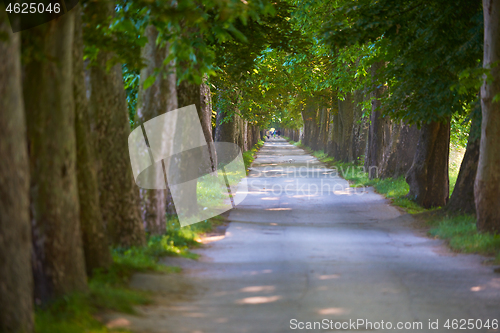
131, 84
424, 46
249, 155
461, 234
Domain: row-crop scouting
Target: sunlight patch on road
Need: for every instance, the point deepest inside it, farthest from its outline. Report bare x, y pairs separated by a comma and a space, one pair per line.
333, 311
118, 323
259, 300
256, 289
328, 277
221, 320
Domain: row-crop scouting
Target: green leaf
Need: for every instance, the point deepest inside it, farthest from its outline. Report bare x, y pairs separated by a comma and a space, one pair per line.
149, 82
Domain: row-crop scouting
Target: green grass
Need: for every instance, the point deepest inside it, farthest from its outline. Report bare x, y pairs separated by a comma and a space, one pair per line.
249, 155
109, 291
459, 231
461, 234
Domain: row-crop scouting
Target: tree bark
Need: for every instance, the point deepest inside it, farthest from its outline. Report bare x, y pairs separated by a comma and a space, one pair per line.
205, 115
428, 175
16, 282
346, 119
59, 266
119, 195
462, 198
95, 240
376, 132
399, 152
309, 118
359, 128
152, 102
486, 189
226, 131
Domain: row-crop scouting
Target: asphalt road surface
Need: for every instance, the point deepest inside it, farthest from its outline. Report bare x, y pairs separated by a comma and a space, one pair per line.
304, 250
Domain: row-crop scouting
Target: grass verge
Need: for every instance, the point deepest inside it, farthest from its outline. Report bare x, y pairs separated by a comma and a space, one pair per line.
249, 155
461, 235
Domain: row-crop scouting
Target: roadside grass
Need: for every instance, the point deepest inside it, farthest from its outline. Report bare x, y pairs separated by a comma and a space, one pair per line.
461, 234
109, 291
458, 231
249, 155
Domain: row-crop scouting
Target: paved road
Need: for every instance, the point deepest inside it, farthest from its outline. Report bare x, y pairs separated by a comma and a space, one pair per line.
304, 247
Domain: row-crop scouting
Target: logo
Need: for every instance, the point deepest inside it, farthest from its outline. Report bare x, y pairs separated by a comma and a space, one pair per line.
30, 13
204, 179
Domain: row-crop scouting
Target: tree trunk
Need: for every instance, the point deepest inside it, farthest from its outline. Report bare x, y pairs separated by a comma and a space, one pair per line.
225, 131
428, 175
309, 113
16, 282
205, 115
487, 189
119, 195
346, 118
462, 198
333, 116
374, 154
405, 152
95, 240
400, 150
151, 103
359, 128
187, 94
59, 266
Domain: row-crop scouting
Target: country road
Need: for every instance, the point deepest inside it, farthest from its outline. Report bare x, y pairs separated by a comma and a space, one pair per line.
304, 247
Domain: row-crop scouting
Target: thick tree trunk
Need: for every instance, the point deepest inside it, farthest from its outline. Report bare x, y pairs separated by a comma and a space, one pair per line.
151, 103
346, 118
323, 128
256, 134
376, 133
400, 150
487, 189
95, 240
359, 128
59, 266
428, 175
225, 131
336, 137
119, 195
244, 132
205, 115
16, 282
462, 198
330, 142
309, 113
407, 146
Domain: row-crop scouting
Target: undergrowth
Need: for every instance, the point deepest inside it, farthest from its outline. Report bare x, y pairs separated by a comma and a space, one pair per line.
249, 155
109, 291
